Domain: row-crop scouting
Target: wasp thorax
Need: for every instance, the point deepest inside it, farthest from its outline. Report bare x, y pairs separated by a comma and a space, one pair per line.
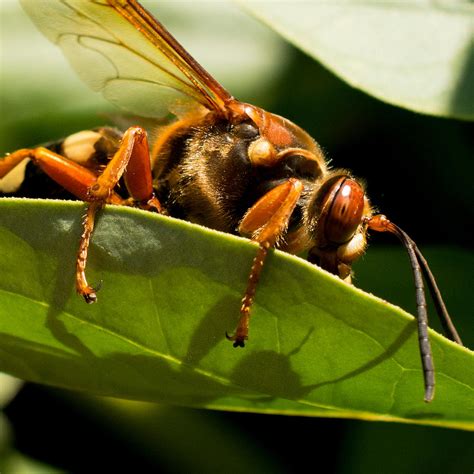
245, 130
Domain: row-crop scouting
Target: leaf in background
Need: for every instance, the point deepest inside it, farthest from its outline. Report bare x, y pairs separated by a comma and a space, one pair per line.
171, 289
418, 55
9, 386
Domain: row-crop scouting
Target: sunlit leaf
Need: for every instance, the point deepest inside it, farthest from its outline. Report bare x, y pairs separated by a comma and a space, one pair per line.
417, 54
317, 346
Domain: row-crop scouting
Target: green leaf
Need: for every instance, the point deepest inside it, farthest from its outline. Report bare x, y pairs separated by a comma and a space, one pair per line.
317, 347
417, 55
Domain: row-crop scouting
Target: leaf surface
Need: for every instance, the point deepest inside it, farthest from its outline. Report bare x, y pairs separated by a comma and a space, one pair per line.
317, 347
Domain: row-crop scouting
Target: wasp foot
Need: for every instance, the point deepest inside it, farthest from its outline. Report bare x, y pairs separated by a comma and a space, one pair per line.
89, 293
239, 339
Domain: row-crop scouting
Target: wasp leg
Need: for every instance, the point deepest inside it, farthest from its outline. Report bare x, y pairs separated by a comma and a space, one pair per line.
266, 221
82, 287
77, 180
71, 176
132, 160
11, 160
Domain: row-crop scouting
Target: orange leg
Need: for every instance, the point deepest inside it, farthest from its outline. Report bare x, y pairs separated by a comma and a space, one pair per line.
77, 180
11, 160
266, 221
132, 160
82, 287
73, 177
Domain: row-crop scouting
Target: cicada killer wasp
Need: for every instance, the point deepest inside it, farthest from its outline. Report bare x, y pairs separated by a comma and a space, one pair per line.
221, 163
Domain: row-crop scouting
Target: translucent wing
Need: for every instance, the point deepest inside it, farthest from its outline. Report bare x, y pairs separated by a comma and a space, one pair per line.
119, 49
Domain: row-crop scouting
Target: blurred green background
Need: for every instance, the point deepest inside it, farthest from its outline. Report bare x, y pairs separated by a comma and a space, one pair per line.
418, 171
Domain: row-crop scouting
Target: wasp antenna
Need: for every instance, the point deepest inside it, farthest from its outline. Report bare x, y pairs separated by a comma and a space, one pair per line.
381, 224
422, 313
446, 321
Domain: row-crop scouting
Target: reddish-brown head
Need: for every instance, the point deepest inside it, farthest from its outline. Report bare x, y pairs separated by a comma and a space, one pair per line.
335, 217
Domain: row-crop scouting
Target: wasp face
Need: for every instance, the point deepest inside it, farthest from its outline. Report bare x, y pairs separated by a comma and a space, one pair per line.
335, 218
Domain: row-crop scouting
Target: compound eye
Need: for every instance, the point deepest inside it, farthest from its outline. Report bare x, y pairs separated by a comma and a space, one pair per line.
345, 211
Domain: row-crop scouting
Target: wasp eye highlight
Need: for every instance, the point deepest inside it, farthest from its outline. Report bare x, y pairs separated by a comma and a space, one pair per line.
345, 212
